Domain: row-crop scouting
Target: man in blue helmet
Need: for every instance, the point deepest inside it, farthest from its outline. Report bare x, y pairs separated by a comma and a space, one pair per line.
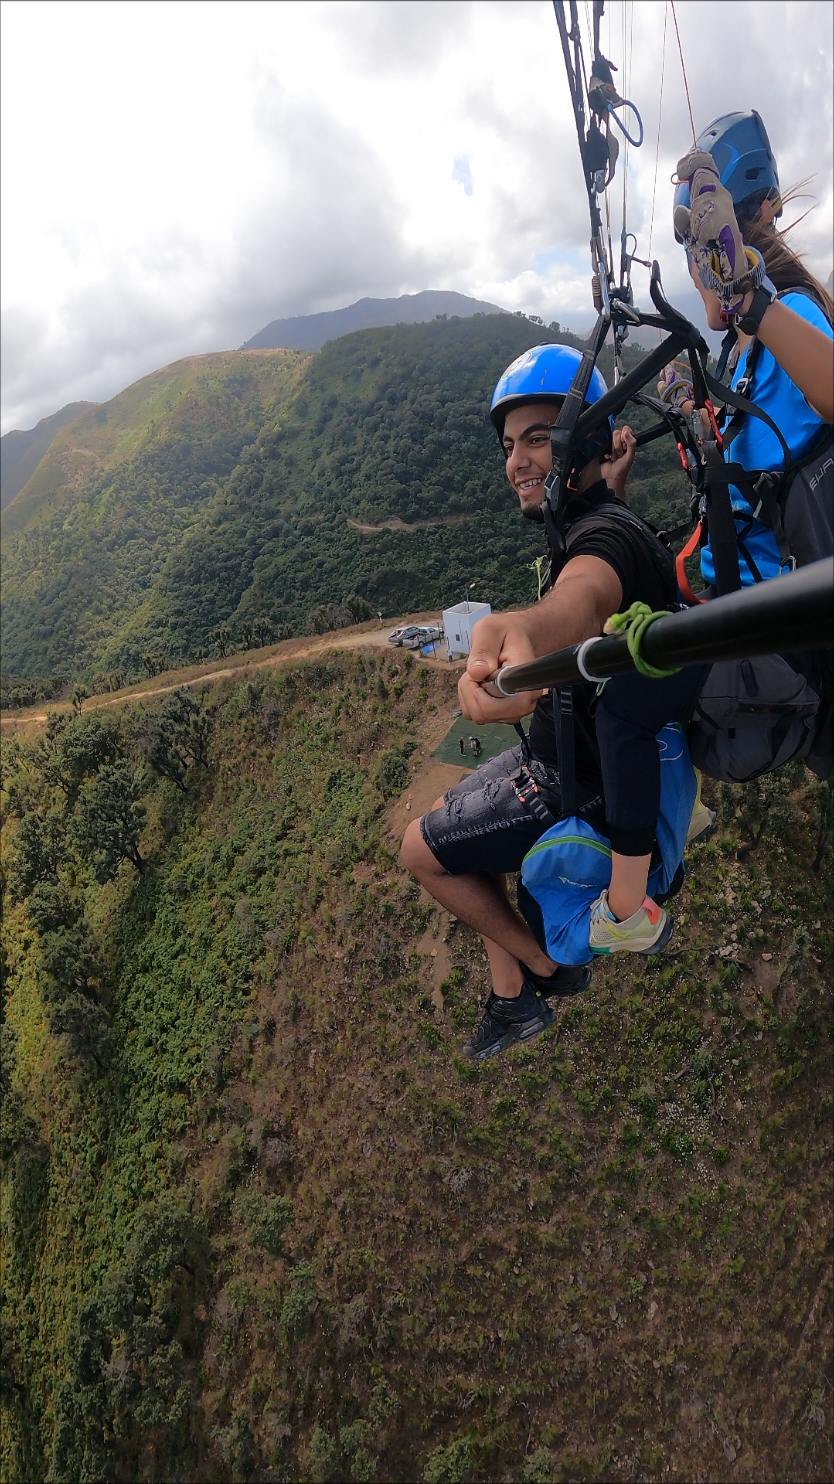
480, 830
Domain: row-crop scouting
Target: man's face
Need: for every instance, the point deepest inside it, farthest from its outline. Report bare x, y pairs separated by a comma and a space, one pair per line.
526, 444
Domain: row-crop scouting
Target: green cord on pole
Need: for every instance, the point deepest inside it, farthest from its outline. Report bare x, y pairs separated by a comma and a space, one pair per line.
634, 623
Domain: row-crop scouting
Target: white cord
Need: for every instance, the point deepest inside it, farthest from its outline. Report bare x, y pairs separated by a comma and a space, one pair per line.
580, 660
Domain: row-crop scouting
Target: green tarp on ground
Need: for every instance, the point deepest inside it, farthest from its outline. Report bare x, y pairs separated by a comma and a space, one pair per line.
493, 739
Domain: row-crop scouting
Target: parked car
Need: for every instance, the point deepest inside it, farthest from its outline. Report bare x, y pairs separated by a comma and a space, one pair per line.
399, 636
421, 636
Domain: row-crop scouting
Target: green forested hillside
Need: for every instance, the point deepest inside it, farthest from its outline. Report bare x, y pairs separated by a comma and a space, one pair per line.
181, 531
86, 536
21, 452
262, 1222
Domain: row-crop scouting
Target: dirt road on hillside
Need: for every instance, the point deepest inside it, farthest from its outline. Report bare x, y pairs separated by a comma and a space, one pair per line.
360, 636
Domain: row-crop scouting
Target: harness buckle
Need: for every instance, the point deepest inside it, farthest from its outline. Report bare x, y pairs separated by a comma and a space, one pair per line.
526, 791
524, 784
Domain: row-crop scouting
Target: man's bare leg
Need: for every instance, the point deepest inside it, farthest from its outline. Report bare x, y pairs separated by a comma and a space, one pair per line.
482, 902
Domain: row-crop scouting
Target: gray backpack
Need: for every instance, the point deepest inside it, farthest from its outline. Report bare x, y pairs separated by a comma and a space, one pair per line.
754, 715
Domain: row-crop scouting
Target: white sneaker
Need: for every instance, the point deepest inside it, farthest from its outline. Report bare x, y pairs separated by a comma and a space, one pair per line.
702, 819
648, 930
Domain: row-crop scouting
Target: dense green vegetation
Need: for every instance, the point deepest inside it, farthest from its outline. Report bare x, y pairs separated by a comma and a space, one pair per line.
88, 534
213, 498
21, 452
261, 1221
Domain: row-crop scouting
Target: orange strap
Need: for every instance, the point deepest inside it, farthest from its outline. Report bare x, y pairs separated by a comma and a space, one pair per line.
683, 580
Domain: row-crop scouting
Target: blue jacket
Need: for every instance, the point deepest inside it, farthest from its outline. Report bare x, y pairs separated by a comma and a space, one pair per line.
571, 864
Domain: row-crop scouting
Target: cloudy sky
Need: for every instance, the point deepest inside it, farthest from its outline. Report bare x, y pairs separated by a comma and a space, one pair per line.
175, 175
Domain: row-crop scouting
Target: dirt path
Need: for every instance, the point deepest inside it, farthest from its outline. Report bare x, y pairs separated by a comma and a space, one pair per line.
394, 523
361, 636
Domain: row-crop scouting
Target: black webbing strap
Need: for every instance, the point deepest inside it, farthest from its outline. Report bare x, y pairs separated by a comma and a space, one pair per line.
734, 399
723, 535
728, 344
721, 521
562, 438
761, 488
526, 788
769, 512
563, 721
742, 387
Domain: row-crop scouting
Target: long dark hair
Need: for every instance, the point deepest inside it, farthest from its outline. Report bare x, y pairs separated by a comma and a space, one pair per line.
785, 267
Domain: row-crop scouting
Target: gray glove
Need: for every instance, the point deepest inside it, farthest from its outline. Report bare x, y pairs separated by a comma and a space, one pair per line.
711, 234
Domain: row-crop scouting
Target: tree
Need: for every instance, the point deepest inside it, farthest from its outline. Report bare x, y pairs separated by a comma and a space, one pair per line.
327, 616
108, 820
177, 735
262, 630
246, 632
70, 974
358, 609
72, 748
154, 661
86, 1028
221, 636
79, 696
40, 847
126, 1399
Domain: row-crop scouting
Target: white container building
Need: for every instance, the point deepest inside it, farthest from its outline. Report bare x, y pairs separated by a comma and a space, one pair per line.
458, 623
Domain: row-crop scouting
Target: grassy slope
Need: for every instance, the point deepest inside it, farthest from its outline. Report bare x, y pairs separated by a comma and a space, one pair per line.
606, 1256
385, 423
85, 537
21, 452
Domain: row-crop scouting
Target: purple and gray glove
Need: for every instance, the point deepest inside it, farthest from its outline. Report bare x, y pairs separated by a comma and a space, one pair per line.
673, 389
710, 232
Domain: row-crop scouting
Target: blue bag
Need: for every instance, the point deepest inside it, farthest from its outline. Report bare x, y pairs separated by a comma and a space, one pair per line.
571, 864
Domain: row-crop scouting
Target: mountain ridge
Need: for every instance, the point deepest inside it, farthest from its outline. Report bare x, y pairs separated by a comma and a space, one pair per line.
263, 485
312, 331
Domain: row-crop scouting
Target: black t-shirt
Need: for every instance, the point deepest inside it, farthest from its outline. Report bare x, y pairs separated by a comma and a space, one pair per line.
601, 526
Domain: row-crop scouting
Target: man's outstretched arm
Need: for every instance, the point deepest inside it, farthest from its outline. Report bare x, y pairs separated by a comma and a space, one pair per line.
586, 593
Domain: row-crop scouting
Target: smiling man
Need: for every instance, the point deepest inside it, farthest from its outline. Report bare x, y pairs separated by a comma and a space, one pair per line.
481, 829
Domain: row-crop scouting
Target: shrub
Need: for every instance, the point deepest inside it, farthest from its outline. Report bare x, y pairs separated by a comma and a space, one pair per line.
392, 773
449, 1464
538, 1468
299, 1301
267, 1217
322, 1458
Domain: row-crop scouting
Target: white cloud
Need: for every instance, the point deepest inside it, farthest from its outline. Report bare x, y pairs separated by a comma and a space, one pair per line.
177, 174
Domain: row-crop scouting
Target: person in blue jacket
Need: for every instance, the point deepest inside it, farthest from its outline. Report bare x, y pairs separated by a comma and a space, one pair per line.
753, 286
728, 194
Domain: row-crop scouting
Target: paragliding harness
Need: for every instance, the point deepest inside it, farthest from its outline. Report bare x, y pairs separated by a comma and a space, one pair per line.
752, 715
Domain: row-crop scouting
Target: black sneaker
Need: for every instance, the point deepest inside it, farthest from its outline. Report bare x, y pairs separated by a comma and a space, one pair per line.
566, 980
506, 1022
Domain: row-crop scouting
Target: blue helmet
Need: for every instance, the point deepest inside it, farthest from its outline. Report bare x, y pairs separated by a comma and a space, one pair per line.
539, 375
740, 147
